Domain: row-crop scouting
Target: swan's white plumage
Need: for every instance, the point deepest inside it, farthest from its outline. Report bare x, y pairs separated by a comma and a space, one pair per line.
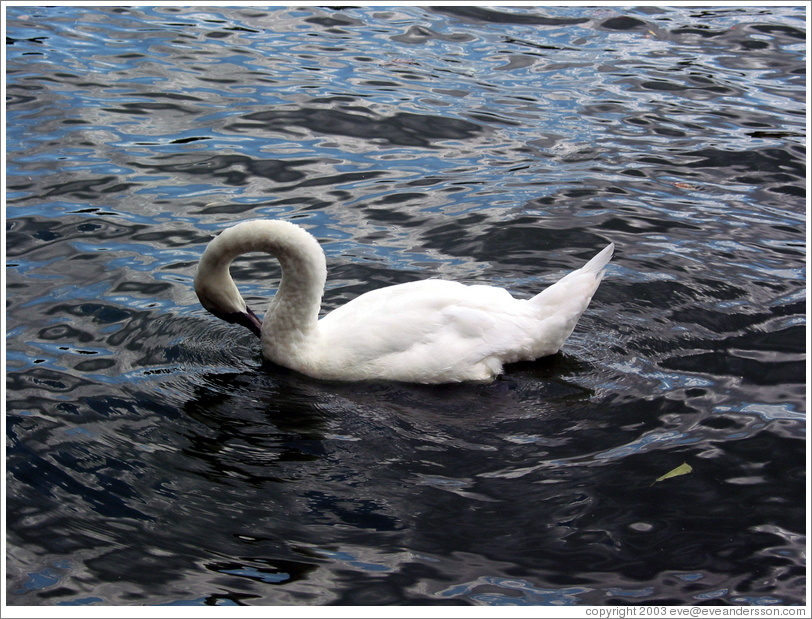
428, 331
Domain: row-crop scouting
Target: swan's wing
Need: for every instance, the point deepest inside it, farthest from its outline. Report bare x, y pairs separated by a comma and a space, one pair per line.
412, 306
415, 299
430, 328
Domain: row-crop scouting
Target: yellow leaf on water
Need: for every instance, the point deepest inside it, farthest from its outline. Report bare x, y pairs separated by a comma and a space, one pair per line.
682, 469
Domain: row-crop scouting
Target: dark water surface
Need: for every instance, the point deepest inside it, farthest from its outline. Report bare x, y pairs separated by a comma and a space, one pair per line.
153, 458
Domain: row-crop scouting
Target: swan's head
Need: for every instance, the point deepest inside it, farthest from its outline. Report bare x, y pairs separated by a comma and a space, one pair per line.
217, 292
228, 307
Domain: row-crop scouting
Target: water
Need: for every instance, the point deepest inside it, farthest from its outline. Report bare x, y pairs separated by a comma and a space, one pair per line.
153, 458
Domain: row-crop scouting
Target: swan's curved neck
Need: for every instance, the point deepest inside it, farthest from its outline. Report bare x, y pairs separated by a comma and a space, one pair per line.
294, 310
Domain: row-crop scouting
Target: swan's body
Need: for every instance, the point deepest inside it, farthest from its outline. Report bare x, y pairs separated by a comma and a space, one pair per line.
428, 331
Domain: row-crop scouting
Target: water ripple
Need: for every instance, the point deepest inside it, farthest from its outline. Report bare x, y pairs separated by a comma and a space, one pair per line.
489, 145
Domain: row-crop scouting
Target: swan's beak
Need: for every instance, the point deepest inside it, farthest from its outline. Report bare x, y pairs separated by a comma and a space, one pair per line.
247, 319
252, 321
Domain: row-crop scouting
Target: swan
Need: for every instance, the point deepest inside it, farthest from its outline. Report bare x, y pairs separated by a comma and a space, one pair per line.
427, 331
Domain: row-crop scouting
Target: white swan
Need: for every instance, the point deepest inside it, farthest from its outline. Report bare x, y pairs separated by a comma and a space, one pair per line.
428, 331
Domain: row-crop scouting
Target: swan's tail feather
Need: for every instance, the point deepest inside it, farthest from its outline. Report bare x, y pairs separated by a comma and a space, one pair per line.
577, 286
599, 262
563, 303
